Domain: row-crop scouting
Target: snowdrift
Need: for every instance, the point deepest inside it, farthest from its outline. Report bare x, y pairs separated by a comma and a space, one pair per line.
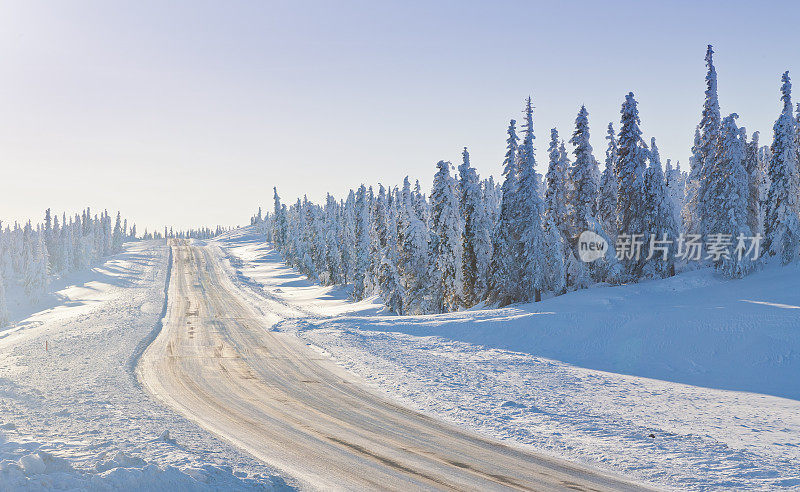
694, 328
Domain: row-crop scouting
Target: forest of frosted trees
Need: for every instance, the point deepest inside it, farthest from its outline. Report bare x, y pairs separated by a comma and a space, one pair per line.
30, 256
472, 240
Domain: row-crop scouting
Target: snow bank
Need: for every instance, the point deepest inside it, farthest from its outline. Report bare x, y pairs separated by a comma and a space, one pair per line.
25, 466
694, 328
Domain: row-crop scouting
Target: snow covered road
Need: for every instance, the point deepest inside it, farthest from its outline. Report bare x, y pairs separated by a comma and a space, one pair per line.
216, 362
72, 416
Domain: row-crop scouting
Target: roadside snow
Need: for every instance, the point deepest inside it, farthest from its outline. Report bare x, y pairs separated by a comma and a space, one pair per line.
72, 416
636, 379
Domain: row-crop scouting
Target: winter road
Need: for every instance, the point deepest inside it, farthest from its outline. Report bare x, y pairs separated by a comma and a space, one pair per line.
216, 362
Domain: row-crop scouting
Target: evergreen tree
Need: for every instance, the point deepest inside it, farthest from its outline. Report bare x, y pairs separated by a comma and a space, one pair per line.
391, 289
782, 221
333, 255
64, 247
420, 203
476, 238
280, 225
503, 269
3, 307
556, 200
392, 223
27, 260
529, 209
584, 175
50, 237
607, 202
6, 262
35, 258
117, 235
445, 242
414, 265
676, 191
754, 179
709, 134
483, 245
632, 157
347, 239
492, 198
405, 210
554, 271
658, 220
728, 193
690, 213
388, 275
362, 245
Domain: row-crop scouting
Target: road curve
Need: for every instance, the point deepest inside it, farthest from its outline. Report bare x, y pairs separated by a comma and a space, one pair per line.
268, 393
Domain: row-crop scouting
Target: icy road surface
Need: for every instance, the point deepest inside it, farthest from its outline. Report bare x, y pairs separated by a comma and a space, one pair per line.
216, 362
73, 418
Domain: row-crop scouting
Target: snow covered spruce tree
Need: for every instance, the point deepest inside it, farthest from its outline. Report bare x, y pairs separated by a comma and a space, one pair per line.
445, 243
554, 274
280, 230
782, 220
727, 199
676, 190
661, 230
347, 237
333, 254
585, 181
34, 263
584, 175
118, 236
703, 153
361, 287
556, 199
414, 265
752, 167
504, 271
379, 232
690, 214
632, 158
476, 236
491, 197
607, 199
3, 307
388, 276
578, 276
391, 289
529, 210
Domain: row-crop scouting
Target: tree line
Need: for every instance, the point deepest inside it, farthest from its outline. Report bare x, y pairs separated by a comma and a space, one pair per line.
471, 240
31, 256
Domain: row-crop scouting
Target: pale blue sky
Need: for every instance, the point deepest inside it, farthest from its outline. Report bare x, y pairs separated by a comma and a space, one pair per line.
187, 113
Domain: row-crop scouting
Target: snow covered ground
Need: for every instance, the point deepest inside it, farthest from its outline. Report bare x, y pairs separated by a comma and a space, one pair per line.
689, 383
73, 417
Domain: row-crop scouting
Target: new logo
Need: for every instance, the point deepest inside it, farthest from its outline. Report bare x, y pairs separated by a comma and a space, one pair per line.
591, 246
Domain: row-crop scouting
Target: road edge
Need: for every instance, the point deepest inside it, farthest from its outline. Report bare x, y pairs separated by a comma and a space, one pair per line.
144, 343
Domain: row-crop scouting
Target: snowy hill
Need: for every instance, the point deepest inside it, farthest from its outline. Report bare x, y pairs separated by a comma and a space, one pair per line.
693, 328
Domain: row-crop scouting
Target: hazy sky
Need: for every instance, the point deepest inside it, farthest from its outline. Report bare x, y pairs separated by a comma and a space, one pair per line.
187, 113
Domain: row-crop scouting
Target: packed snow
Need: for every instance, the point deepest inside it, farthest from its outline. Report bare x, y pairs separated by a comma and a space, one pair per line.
688, 382
72, 415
